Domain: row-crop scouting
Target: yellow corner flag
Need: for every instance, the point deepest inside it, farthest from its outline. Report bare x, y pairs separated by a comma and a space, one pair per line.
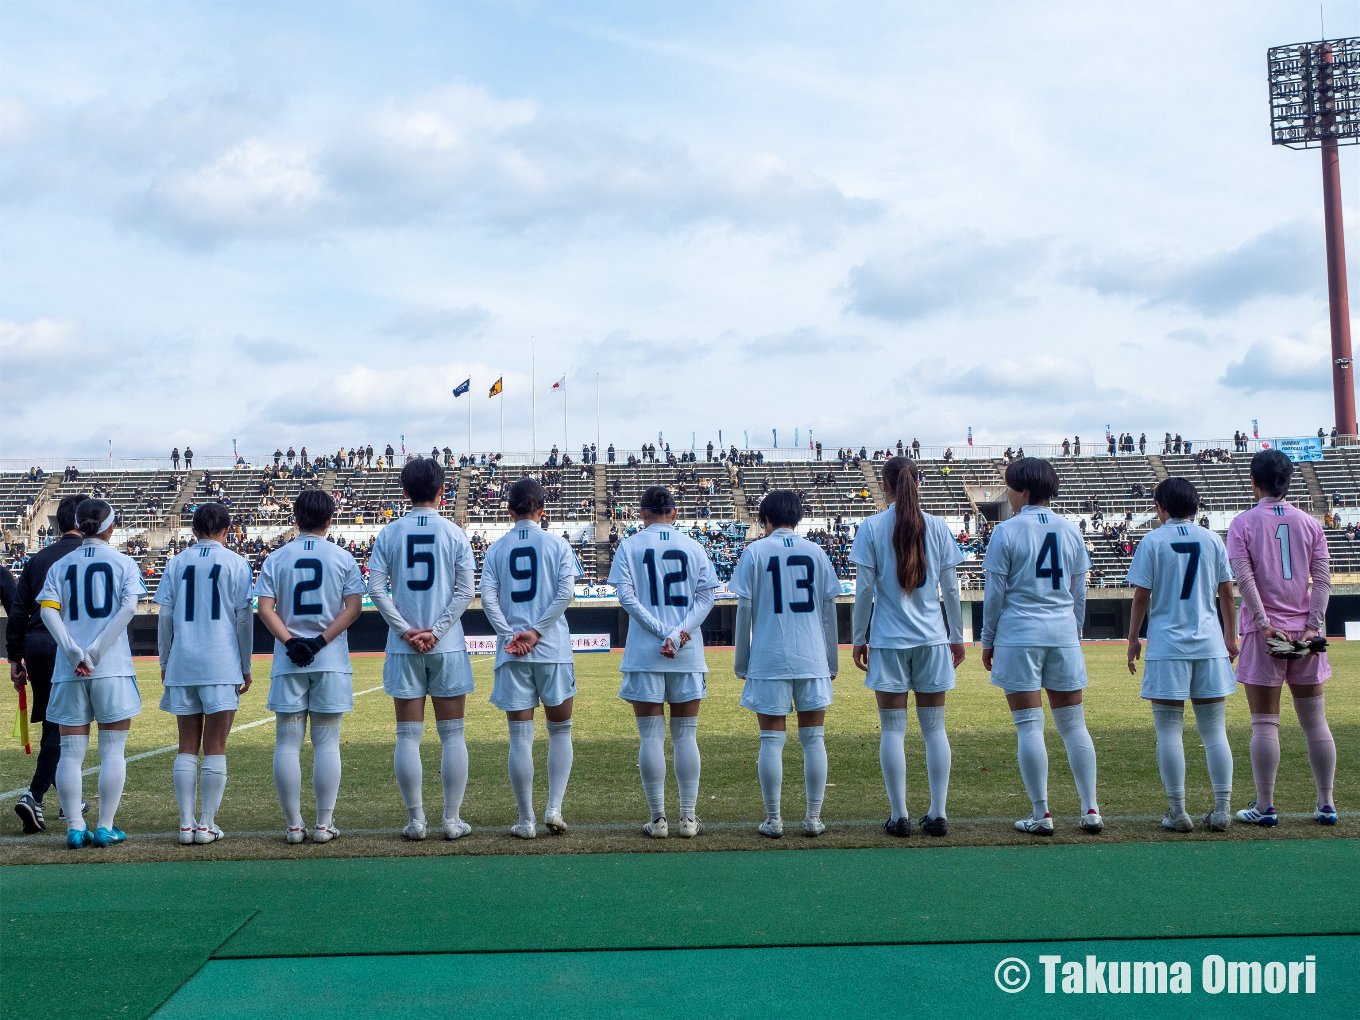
496, 387
21, 722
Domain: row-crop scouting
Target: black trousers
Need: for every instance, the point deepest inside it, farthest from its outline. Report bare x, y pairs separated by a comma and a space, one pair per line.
39, 661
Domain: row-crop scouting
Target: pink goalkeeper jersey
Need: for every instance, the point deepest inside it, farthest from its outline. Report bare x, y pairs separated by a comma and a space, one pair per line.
1282, 543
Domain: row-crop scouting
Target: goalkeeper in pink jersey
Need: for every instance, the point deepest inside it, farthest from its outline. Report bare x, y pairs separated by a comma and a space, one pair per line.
1276, 550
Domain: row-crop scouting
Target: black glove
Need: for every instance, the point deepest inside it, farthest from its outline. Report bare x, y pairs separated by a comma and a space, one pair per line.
316, 643
300, 651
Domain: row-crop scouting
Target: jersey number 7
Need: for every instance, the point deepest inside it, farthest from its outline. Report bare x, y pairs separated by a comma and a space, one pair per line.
1190, 549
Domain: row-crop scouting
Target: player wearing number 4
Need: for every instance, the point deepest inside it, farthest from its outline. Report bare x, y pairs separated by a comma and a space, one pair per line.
665, 582
1178, 573
786, 651
1033, 610
205, 631
309, 592
528, 580
1275, 549
432, 571
87, 602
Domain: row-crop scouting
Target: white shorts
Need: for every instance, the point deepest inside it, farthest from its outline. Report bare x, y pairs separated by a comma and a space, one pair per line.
102, 699
1180, 679
780, 697
674, 688
438, 674
200, 699
1024, 668
522, 685
926, 669
324, 693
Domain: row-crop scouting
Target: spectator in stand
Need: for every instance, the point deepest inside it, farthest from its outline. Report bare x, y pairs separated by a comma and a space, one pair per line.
1142, 443
1066, 448
174, 457
188, 458
1076, 446
916, 449
899, 447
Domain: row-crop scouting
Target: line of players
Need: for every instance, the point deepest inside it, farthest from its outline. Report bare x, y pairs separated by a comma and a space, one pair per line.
421, 579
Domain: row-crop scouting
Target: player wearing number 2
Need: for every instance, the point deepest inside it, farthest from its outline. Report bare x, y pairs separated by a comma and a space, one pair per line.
665, 582
1033, 610
309, 592
432, 571
205, 632
1179, 571
528, 580
1275, 550
87, 602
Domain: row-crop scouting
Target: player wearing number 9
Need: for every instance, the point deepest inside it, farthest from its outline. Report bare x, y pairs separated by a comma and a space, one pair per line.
87, 602
528, 580
308, 594
205, 632
1033, 611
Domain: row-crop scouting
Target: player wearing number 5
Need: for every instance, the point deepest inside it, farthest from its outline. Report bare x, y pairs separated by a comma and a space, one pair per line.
430, 565
1275, 550
665, 582
1032, 615
205, 631
87, 602
528, 580
309, 592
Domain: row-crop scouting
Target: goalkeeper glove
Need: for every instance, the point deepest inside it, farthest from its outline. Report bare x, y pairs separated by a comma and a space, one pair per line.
300, 651
1283, 647
316, 643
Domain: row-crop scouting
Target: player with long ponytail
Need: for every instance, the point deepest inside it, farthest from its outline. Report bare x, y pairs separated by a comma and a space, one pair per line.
905, 561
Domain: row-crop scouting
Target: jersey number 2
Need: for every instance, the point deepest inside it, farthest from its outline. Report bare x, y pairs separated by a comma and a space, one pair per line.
301, 608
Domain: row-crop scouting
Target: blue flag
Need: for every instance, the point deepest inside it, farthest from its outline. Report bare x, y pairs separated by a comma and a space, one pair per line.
463, 387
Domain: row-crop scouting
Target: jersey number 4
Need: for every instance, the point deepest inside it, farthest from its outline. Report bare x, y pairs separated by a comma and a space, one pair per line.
677, 576
1049, 551
803, 583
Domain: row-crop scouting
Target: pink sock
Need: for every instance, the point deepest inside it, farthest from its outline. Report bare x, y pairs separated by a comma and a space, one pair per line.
1321, 746
1265, 757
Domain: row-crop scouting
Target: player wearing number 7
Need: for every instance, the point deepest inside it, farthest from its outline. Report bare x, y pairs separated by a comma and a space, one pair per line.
1032, 615
1275, 549
665, 582
1178, 572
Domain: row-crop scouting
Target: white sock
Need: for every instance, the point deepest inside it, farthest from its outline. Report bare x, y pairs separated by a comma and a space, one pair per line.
1169, 722
522, 767
652, 762
186, 788
406, 764
938, 757
453, 764
770, 767
112, 774
559, 763
69, 766
289, 731
892, 758
1032, 755
685, 752
1081, 752
325, 765
813, 739
1213, 734
213, 783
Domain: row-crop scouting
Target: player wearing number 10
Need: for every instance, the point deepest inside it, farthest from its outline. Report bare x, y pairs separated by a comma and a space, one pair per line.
432, 571
665, 582
205, 633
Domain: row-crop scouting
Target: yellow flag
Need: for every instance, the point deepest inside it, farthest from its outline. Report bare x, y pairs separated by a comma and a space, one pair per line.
496, 387
21, 728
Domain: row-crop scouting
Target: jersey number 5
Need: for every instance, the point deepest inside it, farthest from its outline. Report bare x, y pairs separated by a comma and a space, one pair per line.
1049, 551
416, 558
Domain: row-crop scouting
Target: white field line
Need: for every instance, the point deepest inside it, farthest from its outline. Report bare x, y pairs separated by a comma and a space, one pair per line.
12, 794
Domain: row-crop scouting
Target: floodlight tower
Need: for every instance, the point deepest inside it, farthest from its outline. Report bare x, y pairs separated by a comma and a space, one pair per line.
1315, 104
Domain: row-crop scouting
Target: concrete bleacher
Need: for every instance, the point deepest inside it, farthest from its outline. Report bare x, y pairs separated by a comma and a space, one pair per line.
837, 495
142, 499
571, 497
944, 484
17, 496
627, 483
1339, 473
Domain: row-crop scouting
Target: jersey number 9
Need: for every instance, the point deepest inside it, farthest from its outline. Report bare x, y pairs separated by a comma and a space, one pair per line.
529, 555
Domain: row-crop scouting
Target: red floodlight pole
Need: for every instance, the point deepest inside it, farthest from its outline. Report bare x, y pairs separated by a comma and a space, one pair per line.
1343, 379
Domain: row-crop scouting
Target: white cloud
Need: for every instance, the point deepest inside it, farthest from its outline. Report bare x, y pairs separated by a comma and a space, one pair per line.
1281, 363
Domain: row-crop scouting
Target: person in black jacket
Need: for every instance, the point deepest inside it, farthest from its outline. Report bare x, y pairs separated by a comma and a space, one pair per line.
32, 655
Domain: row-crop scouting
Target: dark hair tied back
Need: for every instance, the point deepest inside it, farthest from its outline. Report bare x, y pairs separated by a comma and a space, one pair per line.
901, 481
91, 515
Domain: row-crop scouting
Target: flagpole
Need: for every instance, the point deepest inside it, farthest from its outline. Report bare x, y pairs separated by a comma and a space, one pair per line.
597, 414
469, 396
533, 384
502, 396
566, 442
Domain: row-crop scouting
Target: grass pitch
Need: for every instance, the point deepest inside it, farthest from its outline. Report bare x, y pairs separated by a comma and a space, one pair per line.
604, 803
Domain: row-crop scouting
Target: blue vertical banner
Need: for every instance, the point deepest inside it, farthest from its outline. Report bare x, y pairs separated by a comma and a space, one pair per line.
746, 438
795, 437
775, 433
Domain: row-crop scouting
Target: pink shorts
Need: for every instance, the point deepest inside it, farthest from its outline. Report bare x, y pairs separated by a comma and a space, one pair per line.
1256, 666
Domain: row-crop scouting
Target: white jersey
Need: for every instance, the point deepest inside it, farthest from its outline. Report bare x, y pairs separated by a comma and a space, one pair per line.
427, 558
1038, 554
789, 582
87, 586
309, 580
205, 589
667, 572
901, 620
1183, 564
523, 574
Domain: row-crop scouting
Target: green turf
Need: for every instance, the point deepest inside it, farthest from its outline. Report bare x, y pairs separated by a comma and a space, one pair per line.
840, 981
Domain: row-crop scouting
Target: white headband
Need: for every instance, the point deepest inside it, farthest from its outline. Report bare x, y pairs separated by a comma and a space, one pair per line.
107, 521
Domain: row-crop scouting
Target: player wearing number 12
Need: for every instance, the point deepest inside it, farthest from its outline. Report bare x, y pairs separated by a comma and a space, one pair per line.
429, 562
665, 582
205, 633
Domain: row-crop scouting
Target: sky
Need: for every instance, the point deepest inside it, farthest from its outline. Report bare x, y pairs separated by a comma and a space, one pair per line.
306, 223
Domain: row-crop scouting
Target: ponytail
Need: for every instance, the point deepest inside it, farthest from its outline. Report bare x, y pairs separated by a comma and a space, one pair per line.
909, 528
93, 517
